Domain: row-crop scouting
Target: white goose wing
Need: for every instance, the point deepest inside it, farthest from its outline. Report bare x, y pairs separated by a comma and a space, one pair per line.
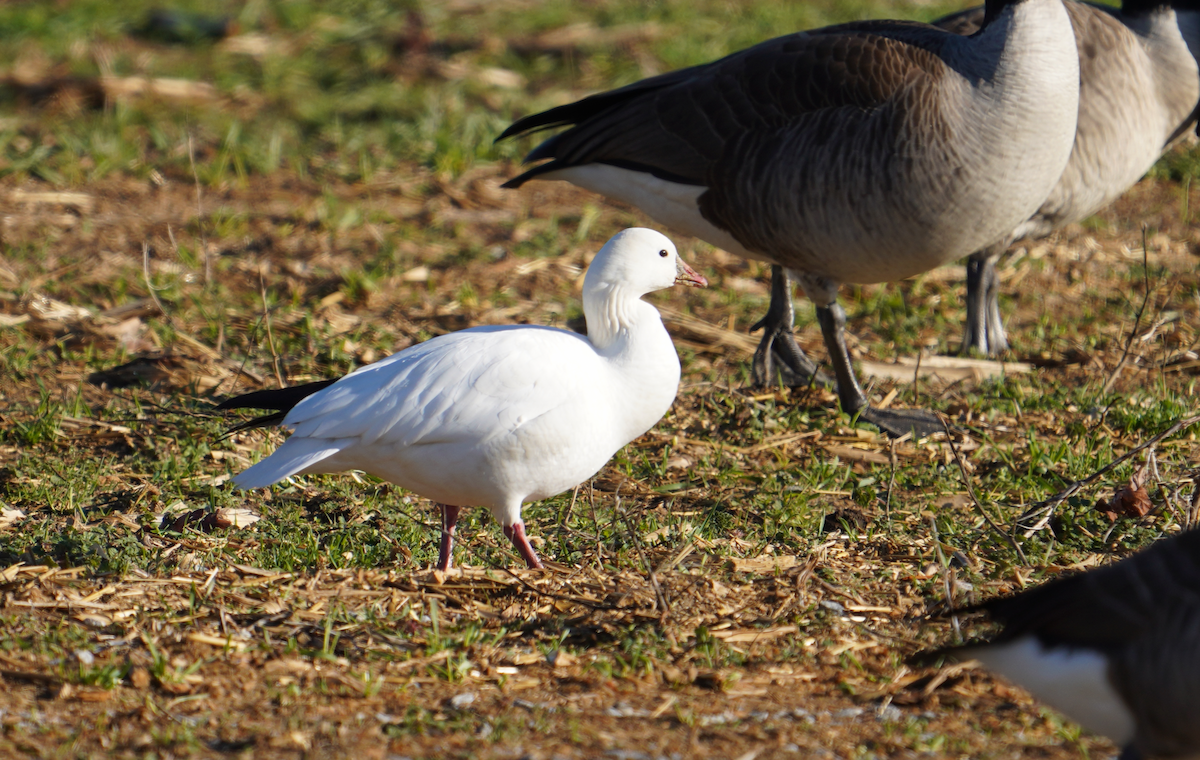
467, 387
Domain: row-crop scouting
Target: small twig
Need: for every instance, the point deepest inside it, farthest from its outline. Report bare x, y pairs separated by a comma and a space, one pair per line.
573, 599
1050, 504
150, 284
1112, 379
275, 362
1194, 504
962, 469
596, 523
946, 585
660, 599
887, 504
199, 214
917, 379
571, 506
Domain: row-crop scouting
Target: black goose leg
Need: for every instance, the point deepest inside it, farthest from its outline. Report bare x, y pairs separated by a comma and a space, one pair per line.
777, 351
997, 339
894, 422
984, 328
975, 328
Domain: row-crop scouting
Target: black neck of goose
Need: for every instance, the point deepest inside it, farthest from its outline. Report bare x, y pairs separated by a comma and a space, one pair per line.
993, 8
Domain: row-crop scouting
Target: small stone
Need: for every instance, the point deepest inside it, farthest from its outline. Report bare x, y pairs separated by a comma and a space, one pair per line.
889, 714
462, 701
834, 607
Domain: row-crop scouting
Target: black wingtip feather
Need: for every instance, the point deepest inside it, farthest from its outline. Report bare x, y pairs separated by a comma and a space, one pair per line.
282, 399
266, 420
524, 177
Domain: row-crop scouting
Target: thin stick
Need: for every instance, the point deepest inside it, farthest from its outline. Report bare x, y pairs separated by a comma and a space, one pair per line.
552, 595
962, 469
275, 362
1050, 504
596, 524
660, 599
949, 589
200, 214
1194, 505
150, 284
1112, 379
916, 389
887, 505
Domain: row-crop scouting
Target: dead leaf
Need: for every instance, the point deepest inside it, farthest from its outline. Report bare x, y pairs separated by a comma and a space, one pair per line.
765, 563
235, 517
1130, 500
9, 517
853, 454
206, 522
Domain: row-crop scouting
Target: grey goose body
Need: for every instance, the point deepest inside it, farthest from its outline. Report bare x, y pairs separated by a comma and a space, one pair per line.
864, 152
1116, 649
1139, 87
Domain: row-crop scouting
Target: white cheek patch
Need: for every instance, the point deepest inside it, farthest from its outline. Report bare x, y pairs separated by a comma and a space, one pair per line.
1073, 681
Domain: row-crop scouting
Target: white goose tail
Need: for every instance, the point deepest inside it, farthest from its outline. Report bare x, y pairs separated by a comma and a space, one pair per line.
295, 456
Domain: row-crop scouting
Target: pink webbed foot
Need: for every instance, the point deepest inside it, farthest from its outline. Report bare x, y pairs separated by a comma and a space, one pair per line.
516, 534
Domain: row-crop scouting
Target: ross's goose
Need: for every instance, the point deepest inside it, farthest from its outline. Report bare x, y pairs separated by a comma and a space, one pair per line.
866, 152
1116, 649
496, 416
1139, 85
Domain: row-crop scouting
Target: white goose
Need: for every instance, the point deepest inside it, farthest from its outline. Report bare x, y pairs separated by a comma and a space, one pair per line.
1116, 649
495, 416
1139, 85
865, 152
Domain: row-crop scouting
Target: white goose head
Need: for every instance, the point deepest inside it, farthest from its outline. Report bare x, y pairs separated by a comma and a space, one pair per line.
631, 264
638, 261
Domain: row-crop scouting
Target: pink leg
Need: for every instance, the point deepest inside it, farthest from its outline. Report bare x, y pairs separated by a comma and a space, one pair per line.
449, 520
516, 533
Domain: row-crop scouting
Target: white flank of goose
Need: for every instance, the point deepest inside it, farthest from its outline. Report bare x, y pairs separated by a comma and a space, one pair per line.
1115, 649
866, 152
495, 416
1139, 85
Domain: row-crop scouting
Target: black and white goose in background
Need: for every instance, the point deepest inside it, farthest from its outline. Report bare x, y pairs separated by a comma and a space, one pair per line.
1116, 649
495, 416
1139, 86
865, 152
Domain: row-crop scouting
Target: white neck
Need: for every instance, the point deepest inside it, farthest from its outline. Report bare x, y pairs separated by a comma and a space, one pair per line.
612, 312
629, 335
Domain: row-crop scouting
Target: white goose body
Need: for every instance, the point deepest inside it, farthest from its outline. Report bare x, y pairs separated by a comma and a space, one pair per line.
497, 416
866, 152
480, 417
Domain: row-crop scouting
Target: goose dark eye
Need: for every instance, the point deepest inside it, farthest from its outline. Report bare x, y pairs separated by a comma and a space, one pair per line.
663, 253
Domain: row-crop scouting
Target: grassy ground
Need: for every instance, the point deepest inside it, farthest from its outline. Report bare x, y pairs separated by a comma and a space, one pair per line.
315, 187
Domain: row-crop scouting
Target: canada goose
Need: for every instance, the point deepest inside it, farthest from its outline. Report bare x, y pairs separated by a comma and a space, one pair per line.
1115, 649
865, 152
495, 416
1139, 85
